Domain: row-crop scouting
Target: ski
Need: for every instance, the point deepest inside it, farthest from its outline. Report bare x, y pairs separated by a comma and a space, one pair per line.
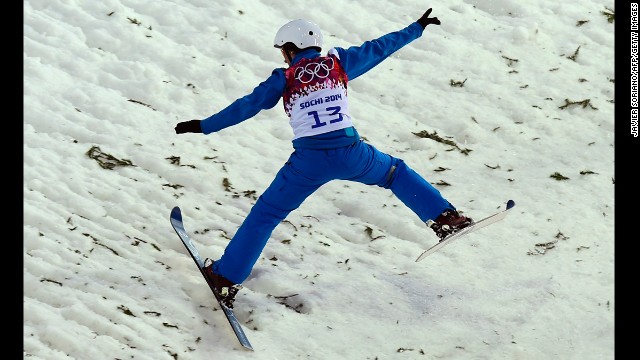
469, 229
178, 226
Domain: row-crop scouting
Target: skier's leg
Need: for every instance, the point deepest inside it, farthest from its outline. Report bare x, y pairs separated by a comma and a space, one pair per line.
415, 192
286, 193
378, 168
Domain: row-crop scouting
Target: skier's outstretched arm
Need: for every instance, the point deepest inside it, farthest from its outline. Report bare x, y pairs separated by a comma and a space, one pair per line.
357, 60
264, 96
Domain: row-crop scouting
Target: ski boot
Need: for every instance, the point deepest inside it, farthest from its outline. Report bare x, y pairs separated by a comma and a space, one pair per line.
224, 288
449, 222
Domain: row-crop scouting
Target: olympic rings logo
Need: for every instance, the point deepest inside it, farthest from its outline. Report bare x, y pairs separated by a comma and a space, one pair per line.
320, 69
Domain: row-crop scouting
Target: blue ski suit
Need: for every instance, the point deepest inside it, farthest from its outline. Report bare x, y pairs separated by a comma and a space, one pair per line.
326, 144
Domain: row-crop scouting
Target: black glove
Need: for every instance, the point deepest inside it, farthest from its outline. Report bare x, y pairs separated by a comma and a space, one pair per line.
191, 126
426, 20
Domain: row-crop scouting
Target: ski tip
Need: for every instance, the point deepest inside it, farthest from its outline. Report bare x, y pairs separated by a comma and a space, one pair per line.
510, 204
176, 213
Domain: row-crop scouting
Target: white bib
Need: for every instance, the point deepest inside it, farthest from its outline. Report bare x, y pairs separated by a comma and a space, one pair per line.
315, 97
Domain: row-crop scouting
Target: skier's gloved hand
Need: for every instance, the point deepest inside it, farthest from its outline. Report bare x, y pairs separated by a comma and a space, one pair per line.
426, 20
191, 126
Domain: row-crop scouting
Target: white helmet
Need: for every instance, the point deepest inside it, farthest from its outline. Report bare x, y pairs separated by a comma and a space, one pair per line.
301, 33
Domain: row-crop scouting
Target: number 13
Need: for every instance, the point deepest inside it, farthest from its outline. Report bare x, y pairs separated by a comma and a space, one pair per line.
333, 110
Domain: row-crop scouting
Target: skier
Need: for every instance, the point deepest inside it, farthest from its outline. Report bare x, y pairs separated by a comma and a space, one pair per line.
326, 144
